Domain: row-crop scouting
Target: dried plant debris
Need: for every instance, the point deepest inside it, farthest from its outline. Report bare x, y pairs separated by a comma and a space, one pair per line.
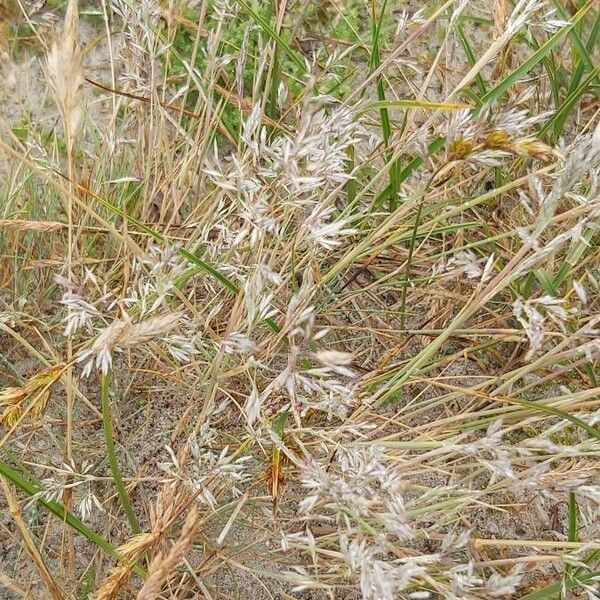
300, 300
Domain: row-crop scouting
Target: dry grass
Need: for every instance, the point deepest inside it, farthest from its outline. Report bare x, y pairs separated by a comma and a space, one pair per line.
300, 300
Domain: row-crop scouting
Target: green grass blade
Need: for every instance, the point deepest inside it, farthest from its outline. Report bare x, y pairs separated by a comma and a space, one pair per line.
193, 258
573, 529
268, 29
558, 119
495, 93
557, 412
585, 60
464, 40
407, 103
411, 248
551, 592
112, 456
384, 117
25, 485
190, 256
411, 167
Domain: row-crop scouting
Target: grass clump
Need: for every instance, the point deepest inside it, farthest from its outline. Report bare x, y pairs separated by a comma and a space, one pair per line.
300, 300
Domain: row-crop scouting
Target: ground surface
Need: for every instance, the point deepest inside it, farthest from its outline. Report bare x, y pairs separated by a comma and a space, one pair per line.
455, 442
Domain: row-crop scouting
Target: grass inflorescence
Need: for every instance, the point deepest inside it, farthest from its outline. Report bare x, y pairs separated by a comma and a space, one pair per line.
300, 299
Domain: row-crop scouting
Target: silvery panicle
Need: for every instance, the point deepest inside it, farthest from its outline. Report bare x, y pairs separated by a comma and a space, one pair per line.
362, 484
122, 334
523, 13
549, 22
82, 312
155, 276
208, 470
323, 230
577, 171
273, 180
258, 299
466, 585
489, 452
532, 314
258, 303
88, 504
65, 72
182, 348
315, 157
260, 219
238, 343
467, 262
317, 387
379, 579
141, 46
79, 480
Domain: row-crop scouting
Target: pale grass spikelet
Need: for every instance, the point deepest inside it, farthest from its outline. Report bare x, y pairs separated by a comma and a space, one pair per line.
315, 157
123, 334
163, 265
37, 389
208, 470
152, 328
129, 552
163, 564
112, 584
252, 406
336, 361
490, 452
467, 262
325, 231
241, 62
80, 313
181, 348
25, 225
238, 343
12, 395
65, 73
79, 481
522, 14
88, 504
534, 313
141, 46
582, 159
580, 291
363, 484
455, 540
503, 586
380, 579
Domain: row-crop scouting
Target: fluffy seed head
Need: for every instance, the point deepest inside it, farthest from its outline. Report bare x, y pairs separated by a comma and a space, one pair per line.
65, 72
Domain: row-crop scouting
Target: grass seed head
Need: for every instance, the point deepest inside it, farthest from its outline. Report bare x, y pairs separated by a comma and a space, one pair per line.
65, 71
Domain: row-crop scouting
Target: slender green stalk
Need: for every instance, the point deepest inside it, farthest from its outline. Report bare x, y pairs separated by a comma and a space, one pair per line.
386, 130
112, 456
573, 528
27, 484
411, 250
527, 65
